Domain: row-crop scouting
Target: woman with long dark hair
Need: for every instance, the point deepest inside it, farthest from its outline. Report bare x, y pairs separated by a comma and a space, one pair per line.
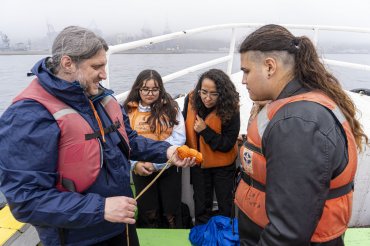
154, 114
212, 121
300, 157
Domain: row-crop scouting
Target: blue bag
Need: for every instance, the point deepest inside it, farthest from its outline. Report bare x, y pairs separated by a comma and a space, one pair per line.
219, 230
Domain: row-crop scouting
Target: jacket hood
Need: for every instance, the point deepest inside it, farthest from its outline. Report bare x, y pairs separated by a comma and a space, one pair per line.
70, 93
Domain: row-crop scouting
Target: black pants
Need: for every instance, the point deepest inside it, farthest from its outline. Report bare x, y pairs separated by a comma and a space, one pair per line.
161, 200
121, 240
205, 181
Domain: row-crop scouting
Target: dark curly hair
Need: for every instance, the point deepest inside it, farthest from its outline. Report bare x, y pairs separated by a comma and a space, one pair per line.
163, 110
228, 100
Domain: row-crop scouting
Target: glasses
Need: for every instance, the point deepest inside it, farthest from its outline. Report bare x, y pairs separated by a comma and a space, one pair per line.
146, 91
211, 95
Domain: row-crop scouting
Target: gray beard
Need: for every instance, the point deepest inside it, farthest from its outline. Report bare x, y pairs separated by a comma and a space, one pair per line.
80, 78
82, 85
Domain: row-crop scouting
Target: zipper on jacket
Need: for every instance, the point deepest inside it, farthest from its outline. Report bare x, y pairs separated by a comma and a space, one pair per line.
101, 153
106, 172
103, 163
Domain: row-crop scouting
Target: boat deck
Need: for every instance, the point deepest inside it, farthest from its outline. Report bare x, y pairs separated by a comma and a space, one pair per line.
155, 237
16, 233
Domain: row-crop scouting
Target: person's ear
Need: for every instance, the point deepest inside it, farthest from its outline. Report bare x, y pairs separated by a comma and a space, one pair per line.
67, 65
270, 65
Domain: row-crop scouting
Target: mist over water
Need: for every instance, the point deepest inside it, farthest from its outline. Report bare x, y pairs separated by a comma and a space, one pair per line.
125, 67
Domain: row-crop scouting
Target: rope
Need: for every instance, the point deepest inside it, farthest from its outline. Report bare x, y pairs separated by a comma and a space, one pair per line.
168, 163
98, 120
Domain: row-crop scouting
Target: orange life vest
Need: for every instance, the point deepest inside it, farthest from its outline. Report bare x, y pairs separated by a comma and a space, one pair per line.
250, 197
79, 159
211, 158
138, 122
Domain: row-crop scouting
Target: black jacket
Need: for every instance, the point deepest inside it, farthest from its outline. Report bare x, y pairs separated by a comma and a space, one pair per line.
305, 148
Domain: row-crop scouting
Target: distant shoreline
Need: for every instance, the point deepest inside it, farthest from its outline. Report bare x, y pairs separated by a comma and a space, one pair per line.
22, 52
44, 52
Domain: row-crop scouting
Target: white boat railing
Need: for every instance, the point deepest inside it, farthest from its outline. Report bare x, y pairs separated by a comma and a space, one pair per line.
229, 58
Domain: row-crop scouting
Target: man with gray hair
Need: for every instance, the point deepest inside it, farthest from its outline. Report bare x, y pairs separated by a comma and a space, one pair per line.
65, 144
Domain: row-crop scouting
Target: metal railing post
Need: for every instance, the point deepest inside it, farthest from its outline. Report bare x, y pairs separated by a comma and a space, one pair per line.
106, 81
231, 52
316, 36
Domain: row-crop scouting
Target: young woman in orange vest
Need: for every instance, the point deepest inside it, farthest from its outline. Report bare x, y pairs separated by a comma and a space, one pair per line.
300, 156
154, 114
212, 121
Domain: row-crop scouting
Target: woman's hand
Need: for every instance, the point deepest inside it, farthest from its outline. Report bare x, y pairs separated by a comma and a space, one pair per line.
199, 124
143, 168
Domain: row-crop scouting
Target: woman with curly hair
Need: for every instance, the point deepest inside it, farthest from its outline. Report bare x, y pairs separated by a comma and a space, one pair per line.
212, 122
154, 114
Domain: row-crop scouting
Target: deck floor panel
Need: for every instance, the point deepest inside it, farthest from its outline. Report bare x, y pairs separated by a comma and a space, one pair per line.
8, 221
179, 237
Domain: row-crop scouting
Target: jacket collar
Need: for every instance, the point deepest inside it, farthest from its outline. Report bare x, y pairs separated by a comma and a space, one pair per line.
138, 106
144, 108
70, 93
294, 87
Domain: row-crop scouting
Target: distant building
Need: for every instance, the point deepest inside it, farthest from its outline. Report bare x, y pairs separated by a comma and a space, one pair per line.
4, 41
50, 35
20, 47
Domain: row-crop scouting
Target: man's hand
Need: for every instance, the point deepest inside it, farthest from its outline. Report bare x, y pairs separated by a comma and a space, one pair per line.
176, 160
199, 124
143, 168
120, 209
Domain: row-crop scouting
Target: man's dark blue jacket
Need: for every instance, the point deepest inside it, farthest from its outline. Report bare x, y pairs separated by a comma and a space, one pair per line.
29, 138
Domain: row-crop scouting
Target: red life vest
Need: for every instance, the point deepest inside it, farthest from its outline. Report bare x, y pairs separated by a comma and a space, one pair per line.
250, 197
79, 159
138, 122
211, 158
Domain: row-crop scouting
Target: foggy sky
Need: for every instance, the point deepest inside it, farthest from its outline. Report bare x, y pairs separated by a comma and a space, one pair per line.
27, 19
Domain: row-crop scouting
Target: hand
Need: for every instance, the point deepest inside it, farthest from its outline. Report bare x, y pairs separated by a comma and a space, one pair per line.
176, 160
240, 140
149, 167
199, 124
143, 168
120, 209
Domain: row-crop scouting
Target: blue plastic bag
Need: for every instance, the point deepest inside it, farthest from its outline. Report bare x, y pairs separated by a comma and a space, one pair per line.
218, 231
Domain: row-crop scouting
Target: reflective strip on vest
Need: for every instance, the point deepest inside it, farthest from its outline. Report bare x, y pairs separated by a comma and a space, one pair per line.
106, 100
262, 121
338, 113
57, 115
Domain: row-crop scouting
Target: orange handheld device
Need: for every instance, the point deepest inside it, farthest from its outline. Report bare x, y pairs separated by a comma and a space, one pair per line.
184, 151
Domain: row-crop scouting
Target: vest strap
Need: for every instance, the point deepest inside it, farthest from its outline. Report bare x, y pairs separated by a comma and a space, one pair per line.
252, 147
68, 184
252, 182
62, 237
333, 193
109, 129
340, 191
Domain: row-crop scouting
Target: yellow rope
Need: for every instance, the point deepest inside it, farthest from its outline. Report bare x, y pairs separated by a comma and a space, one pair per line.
168, 163
152, 182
